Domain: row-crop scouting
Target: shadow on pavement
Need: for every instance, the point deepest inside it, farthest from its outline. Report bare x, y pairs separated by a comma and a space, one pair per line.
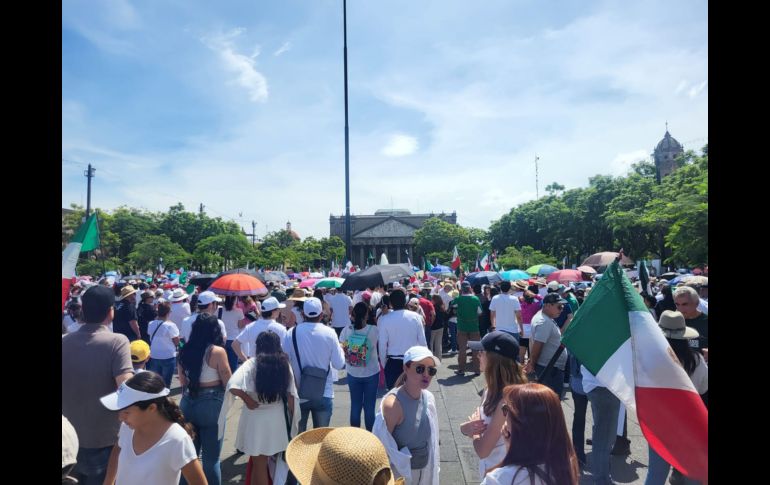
620, 470
232, 471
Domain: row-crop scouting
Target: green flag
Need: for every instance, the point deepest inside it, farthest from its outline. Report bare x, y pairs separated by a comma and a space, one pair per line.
428, 266
88, 234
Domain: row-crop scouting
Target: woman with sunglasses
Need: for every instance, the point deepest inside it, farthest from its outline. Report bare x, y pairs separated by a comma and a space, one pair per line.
407, 418
539, 447
498, 352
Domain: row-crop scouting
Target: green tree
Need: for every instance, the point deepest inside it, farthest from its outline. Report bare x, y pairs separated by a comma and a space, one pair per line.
146, 254
229, 250
523, 258
554, 188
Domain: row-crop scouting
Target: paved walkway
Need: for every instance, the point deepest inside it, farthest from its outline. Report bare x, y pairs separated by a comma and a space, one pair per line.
456, 398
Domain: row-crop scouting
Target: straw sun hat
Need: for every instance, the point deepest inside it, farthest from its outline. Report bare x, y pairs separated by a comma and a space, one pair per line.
338, 456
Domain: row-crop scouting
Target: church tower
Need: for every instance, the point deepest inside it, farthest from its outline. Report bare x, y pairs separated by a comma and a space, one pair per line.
665, 153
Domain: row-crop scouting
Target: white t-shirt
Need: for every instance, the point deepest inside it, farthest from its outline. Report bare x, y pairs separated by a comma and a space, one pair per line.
504, 476
505, 306
231, 320
399, 330
249, 334
160, 465
340, 305
162, 346
179, 311
187, 323
318, 347
703, 306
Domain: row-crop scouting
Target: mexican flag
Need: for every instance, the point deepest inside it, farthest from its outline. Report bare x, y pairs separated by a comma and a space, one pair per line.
455, 259
618, 341
484, 262
86, 239
428, 266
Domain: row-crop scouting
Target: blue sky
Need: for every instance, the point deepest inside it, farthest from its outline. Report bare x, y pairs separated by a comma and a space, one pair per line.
239, 105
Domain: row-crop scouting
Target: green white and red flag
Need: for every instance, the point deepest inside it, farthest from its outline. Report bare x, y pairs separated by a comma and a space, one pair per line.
86, 239
616, 338
455, 259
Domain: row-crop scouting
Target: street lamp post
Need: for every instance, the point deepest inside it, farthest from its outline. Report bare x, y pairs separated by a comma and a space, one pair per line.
348, 249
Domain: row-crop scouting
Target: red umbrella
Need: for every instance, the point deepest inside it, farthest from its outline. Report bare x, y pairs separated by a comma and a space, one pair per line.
238, 284
565, 276
308, 283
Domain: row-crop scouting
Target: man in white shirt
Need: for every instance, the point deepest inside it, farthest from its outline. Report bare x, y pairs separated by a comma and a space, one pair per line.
505, 312
446, 294
341, 305
399, 330
208, 302
180, 308
245, 344
317, 346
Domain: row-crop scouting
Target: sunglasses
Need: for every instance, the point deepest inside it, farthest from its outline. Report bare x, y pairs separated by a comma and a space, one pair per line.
420, 369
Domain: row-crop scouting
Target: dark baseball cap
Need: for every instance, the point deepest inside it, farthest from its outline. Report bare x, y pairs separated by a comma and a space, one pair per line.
553, 298
97, 301
499, 342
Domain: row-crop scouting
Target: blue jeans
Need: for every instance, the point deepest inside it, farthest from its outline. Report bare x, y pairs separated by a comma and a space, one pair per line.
322, 413
202, 412
363, 394
605, 407
453, 336
232, 357
91, 467
554, 379
164, 367
658, 471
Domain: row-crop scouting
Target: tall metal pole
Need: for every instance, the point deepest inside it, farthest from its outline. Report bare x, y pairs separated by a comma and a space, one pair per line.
253, 232
537, 189
89, 174
348, 248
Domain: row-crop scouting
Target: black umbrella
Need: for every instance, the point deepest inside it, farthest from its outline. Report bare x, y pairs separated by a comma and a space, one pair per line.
377, 275
483, 278
272, 276
203, 280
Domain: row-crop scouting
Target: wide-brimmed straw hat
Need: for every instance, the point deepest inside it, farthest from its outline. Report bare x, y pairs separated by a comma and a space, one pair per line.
298, 295
126, 291
520, 285
178, 295
338, 456
674, 326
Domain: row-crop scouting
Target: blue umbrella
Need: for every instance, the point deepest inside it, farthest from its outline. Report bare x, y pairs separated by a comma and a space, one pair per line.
441, 269
546, 269
514, 274
679, 279
483, 278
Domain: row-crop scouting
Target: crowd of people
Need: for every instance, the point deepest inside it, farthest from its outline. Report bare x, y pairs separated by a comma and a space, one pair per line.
280, 354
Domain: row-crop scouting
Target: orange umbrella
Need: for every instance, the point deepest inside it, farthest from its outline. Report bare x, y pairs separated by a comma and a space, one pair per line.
238, 284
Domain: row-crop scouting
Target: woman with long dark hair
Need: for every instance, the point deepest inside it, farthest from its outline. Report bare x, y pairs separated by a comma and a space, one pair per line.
539, 447
270, 414
359, 341
203, 372
155, 443
498, 354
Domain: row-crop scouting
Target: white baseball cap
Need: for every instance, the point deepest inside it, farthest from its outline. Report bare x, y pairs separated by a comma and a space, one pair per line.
207, 297
270, 304
418, 352
125, 396
312, 307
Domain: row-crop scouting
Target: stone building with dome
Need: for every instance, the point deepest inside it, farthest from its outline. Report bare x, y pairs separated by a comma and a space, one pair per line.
292, 232
664, 155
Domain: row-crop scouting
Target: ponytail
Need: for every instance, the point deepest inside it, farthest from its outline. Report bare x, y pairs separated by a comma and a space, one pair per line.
169, 410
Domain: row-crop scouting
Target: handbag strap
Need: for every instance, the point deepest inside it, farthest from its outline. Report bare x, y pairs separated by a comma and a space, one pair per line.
286, 418
296, 350
160, 324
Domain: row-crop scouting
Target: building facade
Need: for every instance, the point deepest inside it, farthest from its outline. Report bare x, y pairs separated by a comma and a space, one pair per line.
389, 231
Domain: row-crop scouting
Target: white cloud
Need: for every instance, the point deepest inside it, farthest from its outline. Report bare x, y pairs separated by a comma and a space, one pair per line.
623, 161
696, 90
400, 145
681, 86
284, 48
241, 65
